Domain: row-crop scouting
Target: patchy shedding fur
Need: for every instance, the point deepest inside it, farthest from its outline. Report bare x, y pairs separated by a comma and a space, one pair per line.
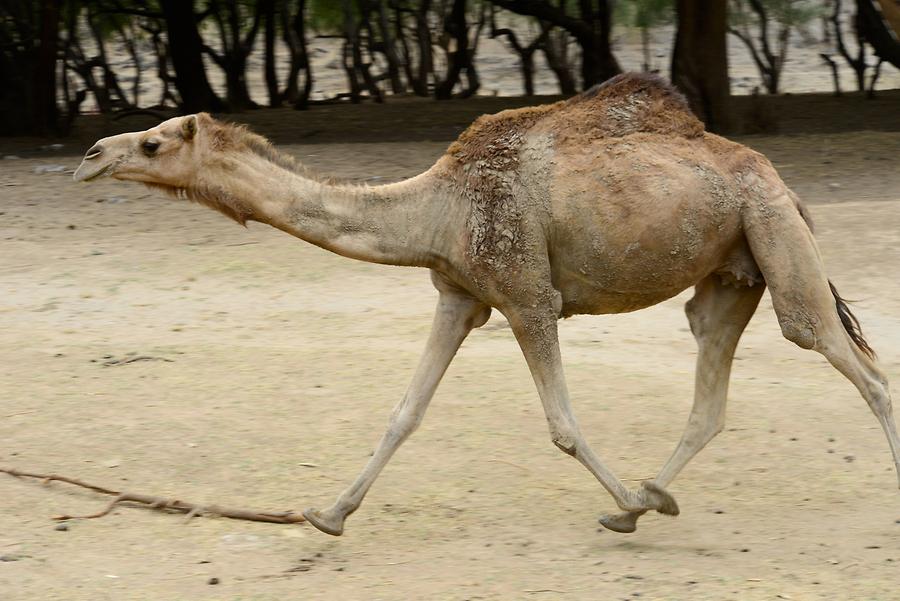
487, 158
626, 104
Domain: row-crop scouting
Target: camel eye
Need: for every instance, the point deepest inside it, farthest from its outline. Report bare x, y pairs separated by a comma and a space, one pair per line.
150, 147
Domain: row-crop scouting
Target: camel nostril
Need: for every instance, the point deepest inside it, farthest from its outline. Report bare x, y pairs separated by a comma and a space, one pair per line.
95, 151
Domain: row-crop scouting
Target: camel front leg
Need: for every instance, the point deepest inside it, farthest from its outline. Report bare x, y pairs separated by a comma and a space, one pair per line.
718, 314
455, 317
536, 332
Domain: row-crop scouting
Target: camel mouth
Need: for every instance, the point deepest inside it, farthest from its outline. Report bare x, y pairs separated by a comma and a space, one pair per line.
81, 174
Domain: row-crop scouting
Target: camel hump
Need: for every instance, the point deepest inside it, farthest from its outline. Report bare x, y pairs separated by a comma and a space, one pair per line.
630, 84
633, 103
626, 104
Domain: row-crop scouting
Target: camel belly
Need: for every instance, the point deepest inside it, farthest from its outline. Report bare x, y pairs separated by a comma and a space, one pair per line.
642, 228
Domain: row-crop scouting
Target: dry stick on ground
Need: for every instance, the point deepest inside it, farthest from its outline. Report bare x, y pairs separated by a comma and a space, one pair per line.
154, 502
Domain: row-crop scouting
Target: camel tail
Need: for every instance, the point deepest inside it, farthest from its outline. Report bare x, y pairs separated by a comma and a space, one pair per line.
851, 323
848, 319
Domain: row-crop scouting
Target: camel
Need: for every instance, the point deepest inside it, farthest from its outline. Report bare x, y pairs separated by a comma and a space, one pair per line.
611, 201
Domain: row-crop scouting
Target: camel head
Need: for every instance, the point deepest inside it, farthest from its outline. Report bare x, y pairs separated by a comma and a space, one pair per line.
167, 155
191, 157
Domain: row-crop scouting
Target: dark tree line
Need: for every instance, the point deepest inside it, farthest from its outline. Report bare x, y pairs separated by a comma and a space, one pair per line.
54, 53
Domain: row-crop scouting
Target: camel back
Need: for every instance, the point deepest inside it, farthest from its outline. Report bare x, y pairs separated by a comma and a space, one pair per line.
626, 104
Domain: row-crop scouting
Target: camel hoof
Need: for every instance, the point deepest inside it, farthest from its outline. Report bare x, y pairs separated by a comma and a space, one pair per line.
326, 521
625, 523
658, 498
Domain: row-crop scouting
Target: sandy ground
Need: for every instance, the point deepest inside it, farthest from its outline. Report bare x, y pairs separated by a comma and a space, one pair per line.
278, 366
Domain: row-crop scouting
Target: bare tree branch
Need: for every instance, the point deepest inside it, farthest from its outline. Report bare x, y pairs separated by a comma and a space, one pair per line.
161, 503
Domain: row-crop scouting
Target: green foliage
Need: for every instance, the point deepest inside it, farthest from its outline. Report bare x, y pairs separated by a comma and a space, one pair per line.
644, 14
327, 16
785, 12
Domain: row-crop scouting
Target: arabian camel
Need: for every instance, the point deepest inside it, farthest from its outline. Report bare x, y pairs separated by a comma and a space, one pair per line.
611, 201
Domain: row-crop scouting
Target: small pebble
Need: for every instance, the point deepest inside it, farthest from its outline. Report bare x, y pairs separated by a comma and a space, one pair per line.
745, 550
5, 558
849, 458
718, 511
212, 581
62, 527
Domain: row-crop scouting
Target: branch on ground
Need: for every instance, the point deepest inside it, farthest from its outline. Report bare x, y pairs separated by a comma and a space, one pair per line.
161, 503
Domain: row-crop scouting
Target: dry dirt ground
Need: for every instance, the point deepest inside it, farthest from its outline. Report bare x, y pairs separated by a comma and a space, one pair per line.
278, 366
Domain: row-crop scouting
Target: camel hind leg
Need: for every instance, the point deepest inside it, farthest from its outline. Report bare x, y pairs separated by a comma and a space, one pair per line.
718, 314
809, 311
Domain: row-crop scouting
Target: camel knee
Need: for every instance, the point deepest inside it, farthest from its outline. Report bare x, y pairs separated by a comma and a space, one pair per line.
699, 433
565, 438
403, 422
798, 330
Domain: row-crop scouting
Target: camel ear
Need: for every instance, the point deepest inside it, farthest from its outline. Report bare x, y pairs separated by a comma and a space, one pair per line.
189, 127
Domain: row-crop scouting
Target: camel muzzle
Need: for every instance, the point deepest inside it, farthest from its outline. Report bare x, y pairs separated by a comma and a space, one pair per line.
90, 167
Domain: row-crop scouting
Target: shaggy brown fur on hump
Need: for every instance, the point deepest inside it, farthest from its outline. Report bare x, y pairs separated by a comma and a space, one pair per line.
626, 104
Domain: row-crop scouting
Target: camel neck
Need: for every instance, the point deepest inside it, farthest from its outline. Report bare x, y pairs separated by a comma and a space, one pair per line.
394, 224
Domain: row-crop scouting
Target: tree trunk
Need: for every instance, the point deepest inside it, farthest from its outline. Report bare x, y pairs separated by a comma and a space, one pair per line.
271, 77
457, 27
390, 50
556, 52
295, 38
597, 61
528, 73
186, 48
700, 60
591, 31
348, 52
129, 36
645, 47
44, 76
236, 83
111, 86
236, 51
426, 58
